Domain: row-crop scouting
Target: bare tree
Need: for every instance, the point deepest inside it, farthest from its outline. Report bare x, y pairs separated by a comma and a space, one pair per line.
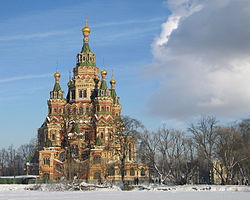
127, 132
205, 136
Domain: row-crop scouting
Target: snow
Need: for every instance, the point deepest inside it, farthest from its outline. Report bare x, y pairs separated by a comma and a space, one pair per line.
187, 192
114, 195
58, 161
23, 176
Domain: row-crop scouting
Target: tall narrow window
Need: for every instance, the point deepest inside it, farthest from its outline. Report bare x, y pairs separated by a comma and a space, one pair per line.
74, 111
102, 109
143, 172
80, 94
86, 136
54, 110
53, 136
87, 110
85, 93
80, 110
129, 152
102, 135
132, 171
73, 93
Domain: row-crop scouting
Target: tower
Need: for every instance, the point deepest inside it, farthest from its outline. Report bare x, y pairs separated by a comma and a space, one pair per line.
84, 125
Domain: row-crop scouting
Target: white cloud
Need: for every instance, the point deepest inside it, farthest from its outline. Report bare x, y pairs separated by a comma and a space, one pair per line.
203, 58
32, 36
19, 78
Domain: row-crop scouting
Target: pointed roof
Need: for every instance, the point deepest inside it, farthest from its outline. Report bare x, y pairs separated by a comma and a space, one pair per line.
57, 86
86, 48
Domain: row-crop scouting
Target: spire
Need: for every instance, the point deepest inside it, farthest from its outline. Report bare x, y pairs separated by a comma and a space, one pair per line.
86, 31
112, 83
103, 83
57, 76
103, 72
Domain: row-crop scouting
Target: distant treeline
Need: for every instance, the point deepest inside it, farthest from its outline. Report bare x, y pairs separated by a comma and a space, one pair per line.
205, 153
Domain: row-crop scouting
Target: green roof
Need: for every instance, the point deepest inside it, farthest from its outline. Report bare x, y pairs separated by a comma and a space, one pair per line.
103, 85
113, 94
86, 48
57, 87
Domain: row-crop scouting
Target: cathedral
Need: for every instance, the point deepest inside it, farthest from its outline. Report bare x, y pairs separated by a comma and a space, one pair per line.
81, 136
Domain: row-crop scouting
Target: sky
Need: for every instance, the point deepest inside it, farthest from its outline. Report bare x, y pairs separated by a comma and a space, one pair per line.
173, 61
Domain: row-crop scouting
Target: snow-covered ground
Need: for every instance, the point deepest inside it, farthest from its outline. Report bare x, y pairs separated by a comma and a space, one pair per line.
201, 192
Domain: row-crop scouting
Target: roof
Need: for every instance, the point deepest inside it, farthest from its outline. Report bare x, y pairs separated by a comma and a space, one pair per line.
103, 85
86, 48
57, 87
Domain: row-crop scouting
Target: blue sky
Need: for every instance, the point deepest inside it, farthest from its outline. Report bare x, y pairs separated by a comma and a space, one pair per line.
36, 34
174, 60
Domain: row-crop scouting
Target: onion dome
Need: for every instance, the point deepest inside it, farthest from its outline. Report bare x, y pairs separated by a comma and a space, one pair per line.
86, 29
57, 75
103, 73
112, 82
57, 85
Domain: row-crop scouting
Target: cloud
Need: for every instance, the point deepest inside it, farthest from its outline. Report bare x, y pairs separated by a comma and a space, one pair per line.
19, 78
203, 59
32, 36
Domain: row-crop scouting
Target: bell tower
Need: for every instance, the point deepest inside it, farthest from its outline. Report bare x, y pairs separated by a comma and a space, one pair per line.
56, 101
84, 83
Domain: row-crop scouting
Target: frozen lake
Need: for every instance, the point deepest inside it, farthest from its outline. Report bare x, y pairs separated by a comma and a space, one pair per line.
119, 195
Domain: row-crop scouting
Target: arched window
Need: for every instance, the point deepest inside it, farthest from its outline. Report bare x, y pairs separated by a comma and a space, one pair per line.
46, 176
46, 161
53, 136
60, 110
107, 109
102, 135
102, 108
97, 160
97, 175
58, 168
110, 135
85, 93
80, 110
143, 172
80, 94
54, 110
86, 135
132, 171
111, 171
87, 109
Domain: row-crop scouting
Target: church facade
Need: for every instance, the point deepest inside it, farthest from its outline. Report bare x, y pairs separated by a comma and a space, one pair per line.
80, 137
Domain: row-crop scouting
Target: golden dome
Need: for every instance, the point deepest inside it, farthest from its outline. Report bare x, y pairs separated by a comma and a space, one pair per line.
103, 72
112, 82
86, 29
57, 75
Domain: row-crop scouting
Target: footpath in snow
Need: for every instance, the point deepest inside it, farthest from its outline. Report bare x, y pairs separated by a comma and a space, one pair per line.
151, 187
60, 192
